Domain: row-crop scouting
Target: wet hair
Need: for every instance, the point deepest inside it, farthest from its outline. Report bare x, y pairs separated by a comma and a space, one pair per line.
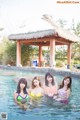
46, 81
69, 85
24, 81
35, 78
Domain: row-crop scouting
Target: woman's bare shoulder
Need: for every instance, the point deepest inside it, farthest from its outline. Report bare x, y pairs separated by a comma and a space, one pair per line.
15, 93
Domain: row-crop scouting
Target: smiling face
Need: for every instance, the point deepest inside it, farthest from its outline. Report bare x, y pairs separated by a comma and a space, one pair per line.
22, 86
66, 81
36, 82
49, 79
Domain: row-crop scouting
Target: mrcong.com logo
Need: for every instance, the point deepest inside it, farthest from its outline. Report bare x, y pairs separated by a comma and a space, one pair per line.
68, 1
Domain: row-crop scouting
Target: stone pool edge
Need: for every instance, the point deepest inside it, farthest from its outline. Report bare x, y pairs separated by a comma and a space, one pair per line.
43, 70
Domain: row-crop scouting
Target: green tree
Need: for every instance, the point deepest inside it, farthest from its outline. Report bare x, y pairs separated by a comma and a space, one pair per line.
9, 53
77, 29
26, 54
76, 46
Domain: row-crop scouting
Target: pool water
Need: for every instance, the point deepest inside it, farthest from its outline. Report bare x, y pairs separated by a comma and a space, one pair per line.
48, 110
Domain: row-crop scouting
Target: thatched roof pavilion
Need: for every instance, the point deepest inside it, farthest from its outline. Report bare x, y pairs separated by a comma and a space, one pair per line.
50, 37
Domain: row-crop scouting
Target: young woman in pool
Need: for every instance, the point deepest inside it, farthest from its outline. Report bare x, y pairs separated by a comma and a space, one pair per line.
64, 90
36, 90
50, 86
21, 95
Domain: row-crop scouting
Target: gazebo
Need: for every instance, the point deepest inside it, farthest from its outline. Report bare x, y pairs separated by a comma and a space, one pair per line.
50, 37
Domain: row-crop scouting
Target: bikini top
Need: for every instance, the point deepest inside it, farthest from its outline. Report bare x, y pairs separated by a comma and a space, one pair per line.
62, 93
38, 95
50, 90
22, 99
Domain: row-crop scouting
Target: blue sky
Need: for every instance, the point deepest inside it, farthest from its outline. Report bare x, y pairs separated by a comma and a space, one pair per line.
25, 15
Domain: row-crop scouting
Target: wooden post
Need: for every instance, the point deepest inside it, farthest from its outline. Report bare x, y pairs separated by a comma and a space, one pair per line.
69, 55
18, 52
52, 53
40, 55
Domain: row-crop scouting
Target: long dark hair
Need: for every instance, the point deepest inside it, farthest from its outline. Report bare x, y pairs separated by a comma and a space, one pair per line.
24, 81
69, 85
46, 82
35, 78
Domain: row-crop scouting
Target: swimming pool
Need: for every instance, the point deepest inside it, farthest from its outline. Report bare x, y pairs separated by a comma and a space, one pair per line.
47, 111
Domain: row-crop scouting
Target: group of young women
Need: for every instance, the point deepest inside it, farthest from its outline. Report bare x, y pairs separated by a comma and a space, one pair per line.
36, 91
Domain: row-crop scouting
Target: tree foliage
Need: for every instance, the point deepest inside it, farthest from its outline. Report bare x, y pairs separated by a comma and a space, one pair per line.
8, 54
61, 52
76, 46
26, 54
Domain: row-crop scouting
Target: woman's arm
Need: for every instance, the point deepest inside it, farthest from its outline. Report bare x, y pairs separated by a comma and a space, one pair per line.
29, 91
68, 93
15, 97
19, 103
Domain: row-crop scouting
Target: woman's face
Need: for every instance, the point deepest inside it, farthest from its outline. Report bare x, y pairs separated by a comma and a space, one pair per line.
36, 82
49, 79
22, 85
66, 81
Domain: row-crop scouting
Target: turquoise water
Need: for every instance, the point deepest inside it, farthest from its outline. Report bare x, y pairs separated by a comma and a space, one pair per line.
48, 110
